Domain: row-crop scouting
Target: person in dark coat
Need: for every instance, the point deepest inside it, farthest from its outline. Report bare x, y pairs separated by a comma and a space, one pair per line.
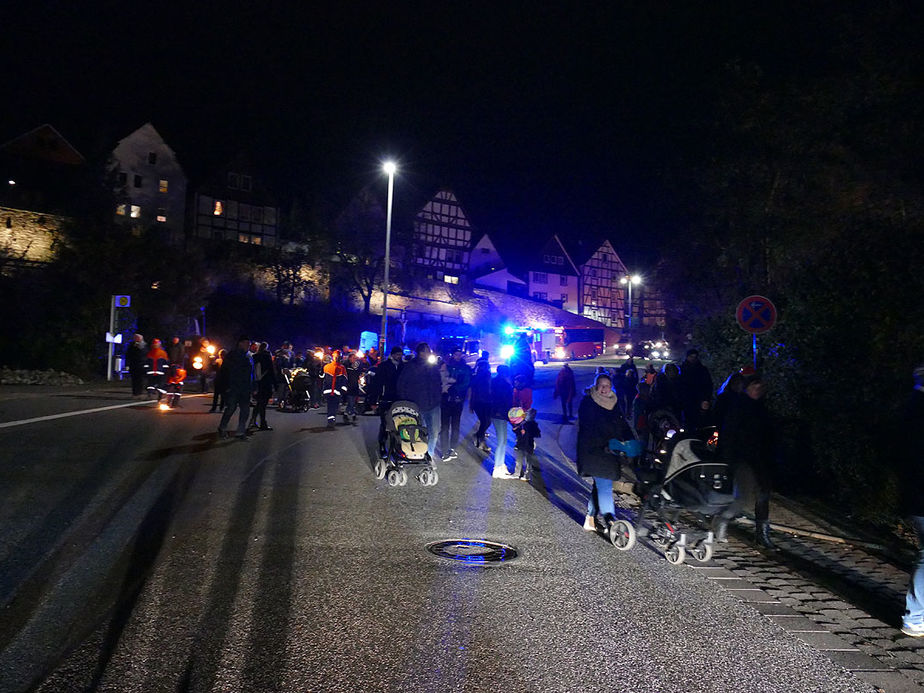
453, 401
419, 382
220, 383
911, 478
747, 443
501, 401
239, 365
386, 385
624, 381
135, 355
695, 385
354, 369
565, 390
665, 393
599, 421
265, 381
526, 432
480, 402
176, 352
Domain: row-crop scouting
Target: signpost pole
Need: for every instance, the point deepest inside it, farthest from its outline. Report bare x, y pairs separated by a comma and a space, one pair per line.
754, 349
111, 332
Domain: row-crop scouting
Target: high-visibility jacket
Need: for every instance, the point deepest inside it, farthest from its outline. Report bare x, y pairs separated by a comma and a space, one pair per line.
335, 379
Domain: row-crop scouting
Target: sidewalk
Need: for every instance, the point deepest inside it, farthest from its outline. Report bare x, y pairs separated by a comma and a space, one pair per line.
841, 598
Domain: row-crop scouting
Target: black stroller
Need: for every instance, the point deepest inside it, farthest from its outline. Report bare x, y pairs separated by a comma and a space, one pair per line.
407, 446
297, 390
680, 473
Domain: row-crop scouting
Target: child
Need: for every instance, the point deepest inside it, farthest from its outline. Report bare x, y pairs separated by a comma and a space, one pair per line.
526, 431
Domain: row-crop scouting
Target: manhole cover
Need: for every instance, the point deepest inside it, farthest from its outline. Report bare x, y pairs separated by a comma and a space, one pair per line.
472, 551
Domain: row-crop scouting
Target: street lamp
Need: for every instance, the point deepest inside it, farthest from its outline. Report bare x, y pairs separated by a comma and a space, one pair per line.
629, 280
389, 167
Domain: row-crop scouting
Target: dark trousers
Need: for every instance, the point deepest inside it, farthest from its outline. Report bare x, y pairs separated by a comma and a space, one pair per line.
751, 490
483, 412
384, 406
567, 407
262, 399
333, 405
137, 375
450, 420
218, 400
236, 400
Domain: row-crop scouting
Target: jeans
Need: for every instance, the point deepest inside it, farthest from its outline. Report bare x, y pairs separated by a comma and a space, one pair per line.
450, 420
236, 400
914, 600
483, 412
601, 498
351, 404
500, 451
431, 421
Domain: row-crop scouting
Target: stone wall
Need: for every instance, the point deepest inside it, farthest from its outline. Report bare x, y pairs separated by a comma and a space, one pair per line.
28, 236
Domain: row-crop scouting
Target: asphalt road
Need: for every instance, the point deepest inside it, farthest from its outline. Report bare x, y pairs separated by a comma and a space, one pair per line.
141, 554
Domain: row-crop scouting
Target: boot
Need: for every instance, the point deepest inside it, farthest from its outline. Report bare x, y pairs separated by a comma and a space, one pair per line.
763, 536
720, 529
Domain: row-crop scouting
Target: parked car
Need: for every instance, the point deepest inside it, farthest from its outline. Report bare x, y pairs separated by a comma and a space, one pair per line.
654, 349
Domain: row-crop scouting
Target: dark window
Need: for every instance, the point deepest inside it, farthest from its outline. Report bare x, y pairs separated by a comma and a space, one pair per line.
123, 178
563, 280
152, 157
234, 181
9, 222
245, 183
137, 181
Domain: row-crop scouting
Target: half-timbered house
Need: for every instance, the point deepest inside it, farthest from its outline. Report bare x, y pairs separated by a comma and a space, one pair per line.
442, 239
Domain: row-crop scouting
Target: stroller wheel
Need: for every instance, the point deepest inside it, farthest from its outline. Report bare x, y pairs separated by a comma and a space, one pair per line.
434, 477
676, 554
424, 477
621, 535
380, 469
402, 478
702, 551
394, 477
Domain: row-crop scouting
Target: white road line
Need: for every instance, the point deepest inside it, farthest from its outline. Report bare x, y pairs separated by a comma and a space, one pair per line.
51, 417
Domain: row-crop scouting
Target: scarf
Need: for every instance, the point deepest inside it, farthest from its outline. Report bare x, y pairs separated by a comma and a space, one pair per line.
607, 400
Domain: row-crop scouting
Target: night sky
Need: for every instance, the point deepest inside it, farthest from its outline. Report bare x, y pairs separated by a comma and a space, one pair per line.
542, 117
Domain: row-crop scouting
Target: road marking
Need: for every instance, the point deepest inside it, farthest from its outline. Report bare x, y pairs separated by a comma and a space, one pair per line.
52, 417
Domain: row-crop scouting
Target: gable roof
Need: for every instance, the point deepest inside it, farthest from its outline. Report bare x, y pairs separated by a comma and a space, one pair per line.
46, 144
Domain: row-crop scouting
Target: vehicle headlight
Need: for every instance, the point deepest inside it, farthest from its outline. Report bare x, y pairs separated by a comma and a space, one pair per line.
559, 353
656, 354
506, 351
628, 347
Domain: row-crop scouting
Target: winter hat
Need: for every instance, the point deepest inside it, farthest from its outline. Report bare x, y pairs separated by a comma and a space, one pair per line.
516, 415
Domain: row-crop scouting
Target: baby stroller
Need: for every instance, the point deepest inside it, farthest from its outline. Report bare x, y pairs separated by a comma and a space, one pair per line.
407, 445
681, 474
297, 388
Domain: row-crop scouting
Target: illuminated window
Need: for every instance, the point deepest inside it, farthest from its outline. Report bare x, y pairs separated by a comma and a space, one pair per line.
161, 214
120, 210
137, 181
217, 211
163, 185
136, 212
450, 279
257, 240
152, 157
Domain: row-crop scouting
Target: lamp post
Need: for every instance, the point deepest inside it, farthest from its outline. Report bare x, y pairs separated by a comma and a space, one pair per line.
389, 167
629, 280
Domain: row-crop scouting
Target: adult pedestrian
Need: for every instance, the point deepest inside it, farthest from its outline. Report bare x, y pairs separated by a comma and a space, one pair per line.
135, 354
419, 382
624, 384
453, 401
480, 402
265, 384
695, 385
386, 385
283, 360
156, 363
565, 390
239, 365
599, 421
911, 477
220, 382
665, 393
175, 352
354, 369
747, 443
334, 387
501, 402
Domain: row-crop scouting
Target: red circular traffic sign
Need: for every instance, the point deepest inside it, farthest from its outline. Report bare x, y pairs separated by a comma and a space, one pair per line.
756, 314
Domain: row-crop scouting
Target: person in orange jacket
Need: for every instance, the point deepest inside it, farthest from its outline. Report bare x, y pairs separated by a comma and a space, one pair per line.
157, 363
334, 388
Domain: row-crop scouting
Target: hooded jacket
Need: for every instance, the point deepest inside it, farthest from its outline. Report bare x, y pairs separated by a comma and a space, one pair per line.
335, 379
419, 382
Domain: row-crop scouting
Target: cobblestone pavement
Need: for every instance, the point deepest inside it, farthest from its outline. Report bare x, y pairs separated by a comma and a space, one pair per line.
843, 599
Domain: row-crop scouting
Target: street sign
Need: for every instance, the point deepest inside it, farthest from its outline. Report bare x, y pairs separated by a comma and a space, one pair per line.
756, 314
117, 339
123, 301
